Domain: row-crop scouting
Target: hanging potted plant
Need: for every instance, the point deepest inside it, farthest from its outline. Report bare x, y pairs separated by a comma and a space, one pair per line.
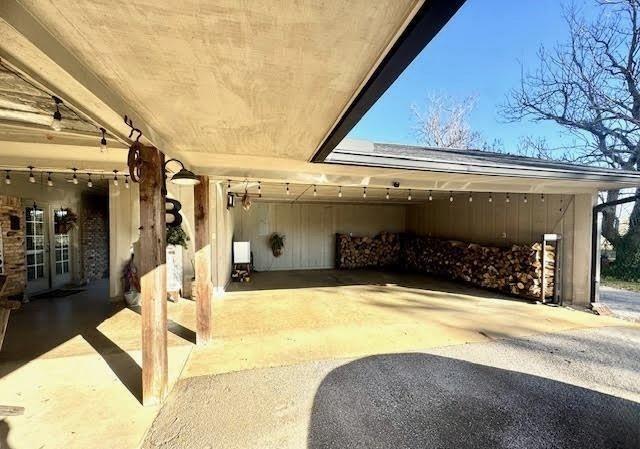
64, 221
276, 242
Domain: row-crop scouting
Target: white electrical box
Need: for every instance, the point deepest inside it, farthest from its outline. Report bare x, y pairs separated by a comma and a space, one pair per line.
241, 252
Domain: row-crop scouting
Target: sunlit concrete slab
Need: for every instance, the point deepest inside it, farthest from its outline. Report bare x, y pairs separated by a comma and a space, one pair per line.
74, 364
285, 318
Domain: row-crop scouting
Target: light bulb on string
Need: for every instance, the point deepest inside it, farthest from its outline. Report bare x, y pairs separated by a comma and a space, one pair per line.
340, 192
103, 140
56, 123
451, 197
89, 182
525, 200
75, 176
49, 180
32, 178
126, 181
364, 192
288, 191
387, 195
507, 199
542, 197
471, 197
115, 178
430, 196
7, 178
409, 196
491, 197
315, 190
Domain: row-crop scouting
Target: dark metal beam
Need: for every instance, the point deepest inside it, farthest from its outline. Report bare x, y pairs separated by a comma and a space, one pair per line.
429, 20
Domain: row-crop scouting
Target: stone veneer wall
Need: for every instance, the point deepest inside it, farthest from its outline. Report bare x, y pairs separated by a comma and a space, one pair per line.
13, 246
94, 228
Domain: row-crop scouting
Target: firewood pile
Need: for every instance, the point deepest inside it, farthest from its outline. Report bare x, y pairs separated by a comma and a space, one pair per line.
516, 270
380, 251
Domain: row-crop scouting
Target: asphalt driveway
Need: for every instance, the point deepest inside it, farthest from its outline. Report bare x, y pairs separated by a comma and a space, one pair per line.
570, 389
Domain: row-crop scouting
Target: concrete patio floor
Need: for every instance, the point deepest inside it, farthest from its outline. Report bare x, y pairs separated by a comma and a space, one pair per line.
73, 362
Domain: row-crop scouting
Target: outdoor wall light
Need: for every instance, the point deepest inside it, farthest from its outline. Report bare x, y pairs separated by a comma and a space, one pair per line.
56, 123
184, 177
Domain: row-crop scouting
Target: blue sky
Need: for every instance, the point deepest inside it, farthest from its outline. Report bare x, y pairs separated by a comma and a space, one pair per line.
479, 52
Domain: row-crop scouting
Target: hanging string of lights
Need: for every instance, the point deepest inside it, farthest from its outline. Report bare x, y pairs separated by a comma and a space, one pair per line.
365, 191
56, 117
31, 172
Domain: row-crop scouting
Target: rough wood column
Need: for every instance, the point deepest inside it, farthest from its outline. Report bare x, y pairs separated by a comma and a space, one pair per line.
153, 278
204, 302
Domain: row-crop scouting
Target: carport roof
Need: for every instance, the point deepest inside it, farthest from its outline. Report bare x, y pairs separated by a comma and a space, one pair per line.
387, 155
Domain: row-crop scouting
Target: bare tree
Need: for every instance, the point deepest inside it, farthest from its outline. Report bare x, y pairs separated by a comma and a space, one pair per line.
443, 122
591, 86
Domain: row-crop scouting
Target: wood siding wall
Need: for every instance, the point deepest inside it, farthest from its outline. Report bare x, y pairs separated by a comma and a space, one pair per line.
309, 230
500, 223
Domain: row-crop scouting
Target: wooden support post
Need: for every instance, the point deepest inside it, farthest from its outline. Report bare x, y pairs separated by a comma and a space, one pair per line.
153, 278
204, 302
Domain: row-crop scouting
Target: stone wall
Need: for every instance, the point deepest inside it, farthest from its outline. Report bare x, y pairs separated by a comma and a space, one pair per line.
94, 231
13, 245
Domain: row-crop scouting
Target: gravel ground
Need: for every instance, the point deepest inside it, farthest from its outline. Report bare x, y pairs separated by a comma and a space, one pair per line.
623, 303
578, 389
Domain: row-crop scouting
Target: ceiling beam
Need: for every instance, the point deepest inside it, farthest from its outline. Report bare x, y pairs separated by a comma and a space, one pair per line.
113, 106
427, 22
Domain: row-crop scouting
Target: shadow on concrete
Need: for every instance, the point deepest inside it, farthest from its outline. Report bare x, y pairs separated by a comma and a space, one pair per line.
120, 362
421, 400
380, 280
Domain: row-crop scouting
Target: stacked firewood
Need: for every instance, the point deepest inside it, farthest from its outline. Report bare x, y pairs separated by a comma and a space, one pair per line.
516, 270
383, 250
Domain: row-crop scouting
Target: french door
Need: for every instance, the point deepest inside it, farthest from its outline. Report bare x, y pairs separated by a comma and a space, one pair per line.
37, 249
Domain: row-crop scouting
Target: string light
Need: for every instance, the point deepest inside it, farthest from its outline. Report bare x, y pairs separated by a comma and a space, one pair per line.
491, 197
259, 189
56, 123
89, 182
75, 176
115, 178
542, 197
387, 195
126, 181
507, 199
49, 180
409, 196
430, 196
340, 192
103, 141
7, 179
315, 190
471, 197
451, 197
364, 192
288, 192
228, 184
32, 179
525, 199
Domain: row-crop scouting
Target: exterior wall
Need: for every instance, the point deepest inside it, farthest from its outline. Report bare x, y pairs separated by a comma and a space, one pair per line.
124, 224
502, 224
94, 230
62, 194
309, 230
222, 229
13, 246
184, 194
